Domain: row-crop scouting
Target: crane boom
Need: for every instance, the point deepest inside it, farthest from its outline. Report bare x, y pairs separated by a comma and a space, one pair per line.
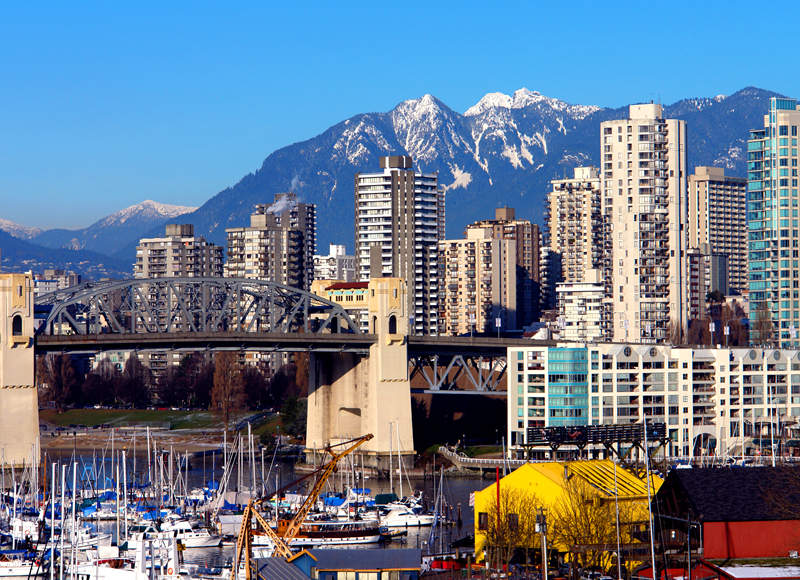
330, 468
244, 543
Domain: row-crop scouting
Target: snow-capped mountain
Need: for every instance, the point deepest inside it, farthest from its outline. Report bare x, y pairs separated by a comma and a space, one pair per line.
142, 212
501, 151
113, 232
18, 231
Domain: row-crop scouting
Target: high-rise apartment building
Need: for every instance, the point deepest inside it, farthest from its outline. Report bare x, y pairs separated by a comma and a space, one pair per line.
53, 279
549, 277
706, 272
399, 223
278, 246
644, 212
580, 308
717, 216
337, 265
506, 226
478, 283
772, 215
574, 223
178, 254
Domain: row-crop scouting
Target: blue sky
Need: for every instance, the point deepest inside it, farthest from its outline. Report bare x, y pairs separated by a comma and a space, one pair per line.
104, 105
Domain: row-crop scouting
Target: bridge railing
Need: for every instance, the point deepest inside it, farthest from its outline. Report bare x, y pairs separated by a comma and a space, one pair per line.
458, 457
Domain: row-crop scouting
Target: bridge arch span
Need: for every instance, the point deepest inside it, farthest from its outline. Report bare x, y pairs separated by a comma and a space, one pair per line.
165, 305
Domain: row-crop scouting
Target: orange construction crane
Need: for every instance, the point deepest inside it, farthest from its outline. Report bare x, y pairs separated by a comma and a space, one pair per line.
287, 529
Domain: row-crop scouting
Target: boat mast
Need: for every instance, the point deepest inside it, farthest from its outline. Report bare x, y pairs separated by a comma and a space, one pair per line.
616, 504
649, 501
53, 524
399, 461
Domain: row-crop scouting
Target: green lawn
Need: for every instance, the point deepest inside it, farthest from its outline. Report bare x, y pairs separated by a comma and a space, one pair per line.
270, 425
478, 450
91, 417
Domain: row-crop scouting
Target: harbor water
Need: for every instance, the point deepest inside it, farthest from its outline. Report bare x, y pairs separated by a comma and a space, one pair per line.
266, 476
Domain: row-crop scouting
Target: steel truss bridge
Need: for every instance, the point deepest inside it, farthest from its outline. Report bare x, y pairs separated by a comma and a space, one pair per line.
208, 314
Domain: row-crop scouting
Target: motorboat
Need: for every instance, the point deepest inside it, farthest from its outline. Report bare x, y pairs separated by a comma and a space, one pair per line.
21, 564
404, 517
191, 537
328, 533
154, 559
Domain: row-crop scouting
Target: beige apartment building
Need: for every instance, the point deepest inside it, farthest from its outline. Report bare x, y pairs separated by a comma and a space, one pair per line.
399, 223
714, 401
506, 226
717, 216
580, 309
645, 213
574, 223
278, 246
178, 254
478, 283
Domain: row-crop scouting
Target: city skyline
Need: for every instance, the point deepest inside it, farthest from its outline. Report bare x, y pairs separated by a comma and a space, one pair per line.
106, 107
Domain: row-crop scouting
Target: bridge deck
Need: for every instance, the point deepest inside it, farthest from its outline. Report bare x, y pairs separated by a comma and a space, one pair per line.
225, 340
273, 341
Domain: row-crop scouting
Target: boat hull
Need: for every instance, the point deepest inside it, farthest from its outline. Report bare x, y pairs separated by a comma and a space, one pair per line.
22, 571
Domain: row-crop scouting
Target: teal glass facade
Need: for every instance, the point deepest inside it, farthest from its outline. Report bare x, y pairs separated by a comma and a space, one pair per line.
567, 387
772, 222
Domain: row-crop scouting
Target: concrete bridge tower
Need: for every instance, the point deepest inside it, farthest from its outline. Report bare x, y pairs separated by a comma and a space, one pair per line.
19, 405
350, 395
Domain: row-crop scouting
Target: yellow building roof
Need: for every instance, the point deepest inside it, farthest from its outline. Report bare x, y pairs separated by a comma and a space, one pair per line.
547, 479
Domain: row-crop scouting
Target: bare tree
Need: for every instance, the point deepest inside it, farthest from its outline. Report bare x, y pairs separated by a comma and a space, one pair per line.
699, 332
58, 381
675, 332
512, 527
99, 384
586, 522
227, 393
730, 317
301, 361
255, 387
762, 332
135, 383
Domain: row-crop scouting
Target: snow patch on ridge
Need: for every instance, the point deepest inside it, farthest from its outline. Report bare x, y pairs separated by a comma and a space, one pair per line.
524, 98
351, 144
18, 231
461, 178
146, 209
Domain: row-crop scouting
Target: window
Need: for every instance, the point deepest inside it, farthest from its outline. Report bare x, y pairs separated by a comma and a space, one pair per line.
16, 325
392, 324
483, 521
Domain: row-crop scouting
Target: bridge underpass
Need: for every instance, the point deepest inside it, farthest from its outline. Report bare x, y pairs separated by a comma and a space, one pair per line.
359, 382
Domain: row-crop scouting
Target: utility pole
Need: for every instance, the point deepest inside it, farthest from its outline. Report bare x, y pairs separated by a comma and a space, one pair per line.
541, 523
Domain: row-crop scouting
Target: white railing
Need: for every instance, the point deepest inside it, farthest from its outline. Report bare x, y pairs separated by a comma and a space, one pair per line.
460, 458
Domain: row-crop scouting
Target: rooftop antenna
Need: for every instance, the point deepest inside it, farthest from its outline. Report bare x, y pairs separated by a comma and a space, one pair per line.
659, 96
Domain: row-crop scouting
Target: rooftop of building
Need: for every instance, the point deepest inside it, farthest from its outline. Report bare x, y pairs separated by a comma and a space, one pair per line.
742, 494
603, 475
348, 286
354, 559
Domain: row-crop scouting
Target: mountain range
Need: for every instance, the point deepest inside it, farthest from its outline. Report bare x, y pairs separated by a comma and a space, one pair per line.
503, 151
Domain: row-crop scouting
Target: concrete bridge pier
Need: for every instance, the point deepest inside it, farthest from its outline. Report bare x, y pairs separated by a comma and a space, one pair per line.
19, 405
350, 395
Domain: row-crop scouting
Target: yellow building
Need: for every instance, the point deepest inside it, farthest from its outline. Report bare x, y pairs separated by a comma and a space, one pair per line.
578, 500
